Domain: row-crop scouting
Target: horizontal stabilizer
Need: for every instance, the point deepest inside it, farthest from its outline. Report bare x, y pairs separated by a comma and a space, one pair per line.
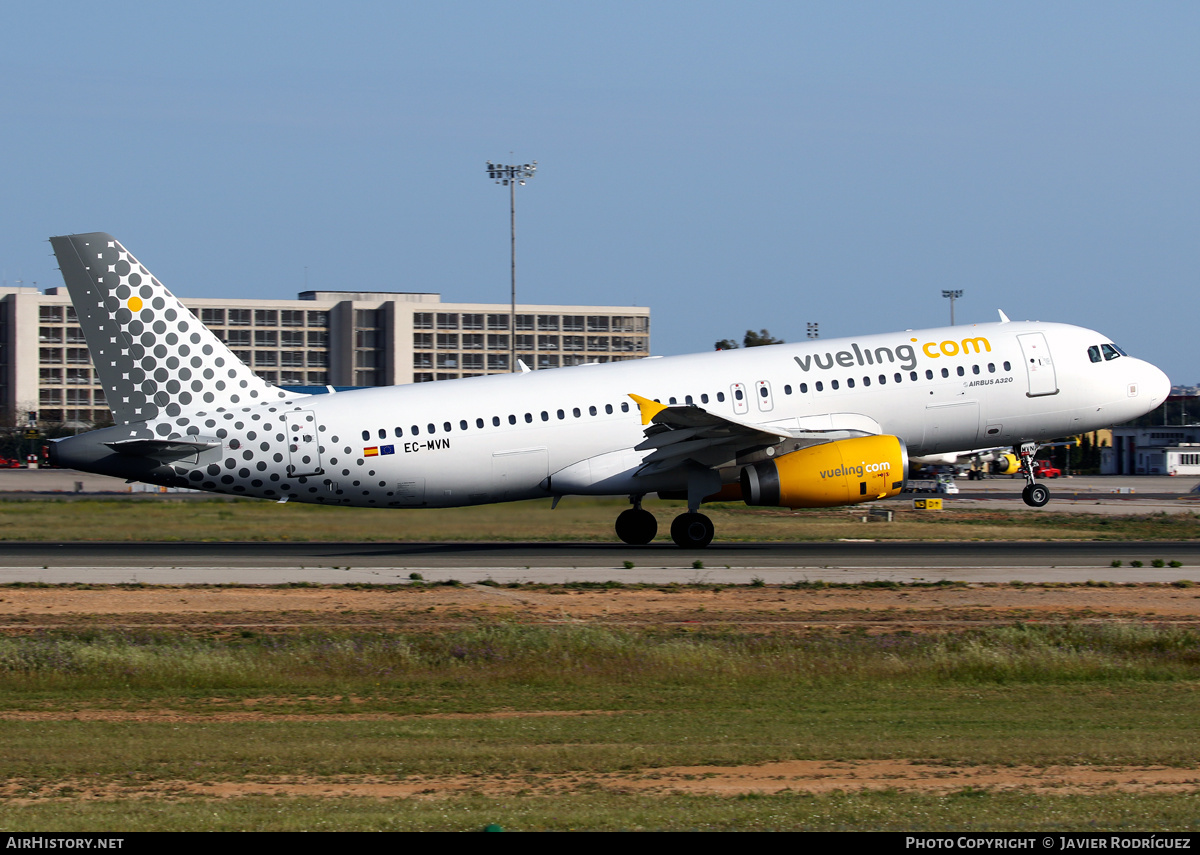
162, 449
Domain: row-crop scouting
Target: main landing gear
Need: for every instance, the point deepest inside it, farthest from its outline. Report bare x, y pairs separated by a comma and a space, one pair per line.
692, 531
1035, 495
638, 527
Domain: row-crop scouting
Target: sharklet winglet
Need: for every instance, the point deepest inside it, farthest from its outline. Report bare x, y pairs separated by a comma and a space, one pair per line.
649, 409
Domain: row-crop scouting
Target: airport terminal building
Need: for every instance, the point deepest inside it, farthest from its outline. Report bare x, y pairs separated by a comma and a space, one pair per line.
335, 338
1155, 450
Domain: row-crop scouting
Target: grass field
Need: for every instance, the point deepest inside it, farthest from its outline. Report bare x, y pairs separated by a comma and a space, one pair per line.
573, 520
588, 727
389, 712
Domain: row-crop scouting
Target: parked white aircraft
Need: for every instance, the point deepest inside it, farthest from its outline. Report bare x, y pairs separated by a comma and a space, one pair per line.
814, 424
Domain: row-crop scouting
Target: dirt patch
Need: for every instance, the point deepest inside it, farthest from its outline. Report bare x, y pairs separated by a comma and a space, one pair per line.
181, 717
233, 610
798, 776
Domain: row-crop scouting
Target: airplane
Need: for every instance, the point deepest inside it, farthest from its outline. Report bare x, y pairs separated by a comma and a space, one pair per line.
819, 423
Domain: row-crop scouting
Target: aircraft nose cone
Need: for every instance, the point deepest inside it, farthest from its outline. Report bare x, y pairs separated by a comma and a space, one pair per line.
1157, 384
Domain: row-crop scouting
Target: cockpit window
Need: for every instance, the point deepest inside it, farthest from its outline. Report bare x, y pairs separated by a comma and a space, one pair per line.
1094, 353
1110, 352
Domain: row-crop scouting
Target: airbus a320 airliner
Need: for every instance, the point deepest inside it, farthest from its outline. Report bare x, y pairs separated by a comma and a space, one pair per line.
815, 424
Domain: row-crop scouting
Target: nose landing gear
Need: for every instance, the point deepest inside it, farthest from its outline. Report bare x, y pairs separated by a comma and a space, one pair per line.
1035, 495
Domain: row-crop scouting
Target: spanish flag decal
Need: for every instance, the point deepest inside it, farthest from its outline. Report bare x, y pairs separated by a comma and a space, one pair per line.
373, 451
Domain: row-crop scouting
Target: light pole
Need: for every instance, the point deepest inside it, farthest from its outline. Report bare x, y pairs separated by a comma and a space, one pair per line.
511, 176
953, 295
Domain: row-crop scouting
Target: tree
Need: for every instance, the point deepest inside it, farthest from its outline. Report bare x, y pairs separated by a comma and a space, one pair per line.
751, 339
760, 338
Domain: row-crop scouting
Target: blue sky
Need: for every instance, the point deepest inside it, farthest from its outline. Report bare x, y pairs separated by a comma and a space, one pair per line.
732, 166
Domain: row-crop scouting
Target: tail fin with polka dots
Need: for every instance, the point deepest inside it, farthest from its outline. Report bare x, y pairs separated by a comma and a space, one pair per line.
153, 357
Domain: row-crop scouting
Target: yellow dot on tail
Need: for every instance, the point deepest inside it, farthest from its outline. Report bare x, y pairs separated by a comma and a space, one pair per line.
135, 304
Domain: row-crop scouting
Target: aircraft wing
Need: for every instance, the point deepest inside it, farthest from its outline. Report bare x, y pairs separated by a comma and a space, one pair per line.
677, 434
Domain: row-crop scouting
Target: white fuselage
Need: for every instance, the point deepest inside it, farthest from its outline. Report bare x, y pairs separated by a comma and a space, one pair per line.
573, 430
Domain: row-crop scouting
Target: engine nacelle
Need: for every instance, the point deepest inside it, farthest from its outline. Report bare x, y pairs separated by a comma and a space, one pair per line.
1006, 464
843, 472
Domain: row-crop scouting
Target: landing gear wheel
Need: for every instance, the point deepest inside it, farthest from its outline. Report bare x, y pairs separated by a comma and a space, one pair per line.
692, 531
636, 526
1036, 495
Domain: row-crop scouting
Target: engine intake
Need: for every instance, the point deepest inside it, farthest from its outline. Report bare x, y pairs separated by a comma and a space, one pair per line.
842, 472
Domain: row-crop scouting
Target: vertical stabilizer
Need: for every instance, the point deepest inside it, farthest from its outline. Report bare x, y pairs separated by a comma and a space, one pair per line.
153, 357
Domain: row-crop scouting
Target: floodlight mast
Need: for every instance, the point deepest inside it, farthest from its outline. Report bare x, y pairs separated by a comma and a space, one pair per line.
953, 295
511, 176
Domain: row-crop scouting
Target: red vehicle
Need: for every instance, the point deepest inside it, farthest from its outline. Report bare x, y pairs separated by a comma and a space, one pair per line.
9, 463
1043, 469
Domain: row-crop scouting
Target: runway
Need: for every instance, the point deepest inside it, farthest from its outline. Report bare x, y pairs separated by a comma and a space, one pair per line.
741, 563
